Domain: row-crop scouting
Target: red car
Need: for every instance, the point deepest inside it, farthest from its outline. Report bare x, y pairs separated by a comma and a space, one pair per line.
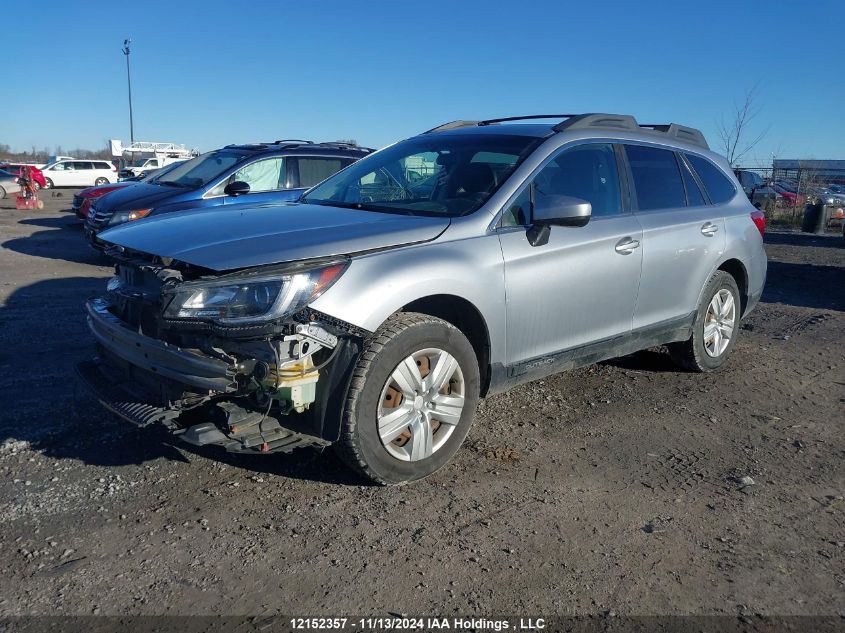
790, 197
15, 170
82, 200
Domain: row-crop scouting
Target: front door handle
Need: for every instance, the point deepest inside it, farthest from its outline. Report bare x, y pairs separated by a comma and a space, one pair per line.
626, 246
709, 229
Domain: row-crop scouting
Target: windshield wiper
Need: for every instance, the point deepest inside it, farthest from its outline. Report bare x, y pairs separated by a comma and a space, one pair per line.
360, 206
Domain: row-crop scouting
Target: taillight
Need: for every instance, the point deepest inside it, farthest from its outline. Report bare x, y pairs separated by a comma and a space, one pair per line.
759, 219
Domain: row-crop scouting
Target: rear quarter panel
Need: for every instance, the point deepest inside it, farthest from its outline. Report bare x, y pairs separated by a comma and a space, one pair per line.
744, 243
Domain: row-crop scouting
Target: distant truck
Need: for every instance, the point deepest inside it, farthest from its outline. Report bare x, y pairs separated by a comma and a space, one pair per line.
143, 156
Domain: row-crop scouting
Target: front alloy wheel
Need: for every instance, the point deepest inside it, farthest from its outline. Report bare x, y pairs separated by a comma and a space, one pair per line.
411, 400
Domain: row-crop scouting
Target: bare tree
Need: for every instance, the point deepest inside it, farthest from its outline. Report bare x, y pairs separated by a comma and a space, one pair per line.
734, 133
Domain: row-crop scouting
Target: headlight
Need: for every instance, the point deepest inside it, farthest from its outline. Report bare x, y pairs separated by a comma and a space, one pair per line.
251, 299
129, 216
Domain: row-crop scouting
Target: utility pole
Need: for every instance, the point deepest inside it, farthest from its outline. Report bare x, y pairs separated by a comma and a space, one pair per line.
126, 51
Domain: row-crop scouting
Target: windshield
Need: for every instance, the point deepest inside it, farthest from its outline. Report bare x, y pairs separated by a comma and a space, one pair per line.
201, 170
139, 162
448, 175
155, 174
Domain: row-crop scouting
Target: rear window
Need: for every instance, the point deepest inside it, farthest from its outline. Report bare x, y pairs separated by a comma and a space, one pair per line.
718, 187
657, 179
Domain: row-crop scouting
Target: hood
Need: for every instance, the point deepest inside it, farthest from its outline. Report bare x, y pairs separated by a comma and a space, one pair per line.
99, 190
225, 239
139, 196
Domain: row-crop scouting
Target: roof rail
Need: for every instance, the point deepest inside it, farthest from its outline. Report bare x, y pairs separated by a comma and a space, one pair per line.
680, 132
343, 145
453, 125
298, 141
525, 118
628, 122
594, 121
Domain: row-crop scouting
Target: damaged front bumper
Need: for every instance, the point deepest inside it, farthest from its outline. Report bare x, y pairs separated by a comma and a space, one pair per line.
190, 368
234, 428
211, 398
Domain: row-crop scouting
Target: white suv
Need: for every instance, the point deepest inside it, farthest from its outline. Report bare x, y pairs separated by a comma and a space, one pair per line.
79, 173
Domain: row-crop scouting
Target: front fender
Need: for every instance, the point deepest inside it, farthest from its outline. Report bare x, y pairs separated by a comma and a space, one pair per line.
376, 285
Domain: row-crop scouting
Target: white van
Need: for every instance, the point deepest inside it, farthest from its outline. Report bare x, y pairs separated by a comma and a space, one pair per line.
79, 173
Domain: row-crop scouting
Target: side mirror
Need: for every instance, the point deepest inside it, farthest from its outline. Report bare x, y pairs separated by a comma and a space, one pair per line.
237, 188
556, 210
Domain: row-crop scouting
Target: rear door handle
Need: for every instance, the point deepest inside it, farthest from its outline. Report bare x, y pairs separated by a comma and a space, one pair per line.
709, 229
626, 246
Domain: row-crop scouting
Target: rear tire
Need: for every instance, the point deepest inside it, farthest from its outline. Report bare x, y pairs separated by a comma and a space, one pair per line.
411, 401
2, 193
48, 184
101, 181
715, 329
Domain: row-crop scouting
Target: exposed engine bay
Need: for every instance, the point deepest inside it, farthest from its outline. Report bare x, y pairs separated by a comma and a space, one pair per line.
235, 359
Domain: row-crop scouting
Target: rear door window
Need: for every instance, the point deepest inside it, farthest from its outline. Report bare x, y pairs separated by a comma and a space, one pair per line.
657, 178
83, 164
313, 171
718, 187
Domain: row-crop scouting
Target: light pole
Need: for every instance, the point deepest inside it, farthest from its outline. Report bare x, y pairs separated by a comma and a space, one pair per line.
126, 51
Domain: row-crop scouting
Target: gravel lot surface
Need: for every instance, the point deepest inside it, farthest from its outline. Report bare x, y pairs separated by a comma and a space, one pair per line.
628, 486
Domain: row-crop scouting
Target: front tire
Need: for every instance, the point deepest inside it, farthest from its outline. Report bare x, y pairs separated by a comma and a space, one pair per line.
2, 193
411, 401
715, 329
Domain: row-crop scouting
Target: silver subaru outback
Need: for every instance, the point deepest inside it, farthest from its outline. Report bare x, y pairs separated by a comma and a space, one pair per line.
373, 313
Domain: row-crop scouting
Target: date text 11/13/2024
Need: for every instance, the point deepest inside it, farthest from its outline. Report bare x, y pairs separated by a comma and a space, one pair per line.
415, 624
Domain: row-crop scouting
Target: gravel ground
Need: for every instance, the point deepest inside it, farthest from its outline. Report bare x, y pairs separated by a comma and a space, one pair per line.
626, 486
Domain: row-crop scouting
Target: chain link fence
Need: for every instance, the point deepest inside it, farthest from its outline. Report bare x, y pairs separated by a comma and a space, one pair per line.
785, 188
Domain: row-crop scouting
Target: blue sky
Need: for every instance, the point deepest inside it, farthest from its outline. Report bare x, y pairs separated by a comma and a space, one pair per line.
214, 72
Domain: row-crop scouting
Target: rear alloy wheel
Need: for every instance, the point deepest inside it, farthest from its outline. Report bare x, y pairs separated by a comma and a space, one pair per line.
715, 329
411, 401
48, 184
719, 323
101, 181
